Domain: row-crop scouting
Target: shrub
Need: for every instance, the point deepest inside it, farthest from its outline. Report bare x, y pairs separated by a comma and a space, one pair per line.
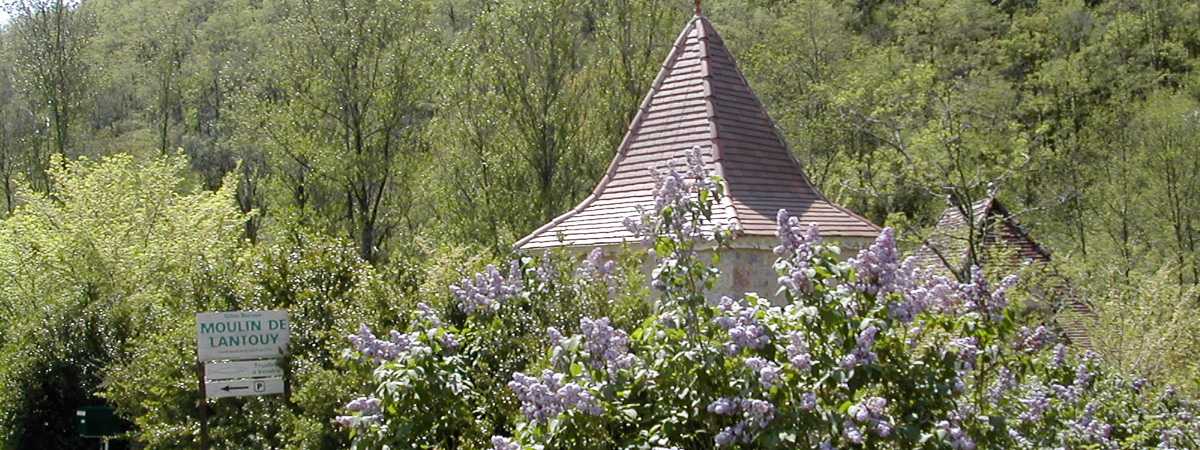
870, 352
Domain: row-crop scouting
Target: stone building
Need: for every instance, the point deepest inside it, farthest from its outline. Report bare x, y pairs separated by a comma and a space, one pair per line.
701, 99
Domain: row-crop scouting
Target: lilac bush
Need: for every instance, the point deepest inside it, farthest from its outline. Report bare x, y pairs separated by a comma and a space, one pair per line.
869, 351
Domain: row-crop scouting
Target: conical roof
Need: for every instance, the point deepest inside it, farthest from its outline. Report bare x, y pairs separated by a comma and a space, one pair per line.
700, 98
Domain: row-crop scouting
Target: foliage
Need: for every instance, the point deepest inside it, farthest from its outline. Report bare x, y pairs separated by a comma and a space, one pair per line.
481, 121
104, 264
1145, 329
870, 352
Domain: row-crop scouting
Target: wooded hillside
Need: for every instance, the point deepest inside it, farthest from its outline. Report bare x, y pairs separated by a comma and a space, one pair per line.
410, 132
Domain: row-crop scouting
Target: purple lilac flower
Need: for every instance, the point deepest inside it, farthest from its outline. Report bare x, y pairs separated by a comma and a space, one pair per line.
877, 265
1091, 429
758, 413
797, 351
364, 405
1036, 403
808, 401
767, 371
546, 272
754, 413
367, 411
398, 346
744, 329
427, 314
852, 432
674, 190
923, 290
977, 297
968, 350
1021, 440
1138, 384
795, 241
546, 397
595, 268
1005, 381
848, 362
1032, 341
554, 336
1060, 356
487, 290
723, 406
503, 443
862, 354
872, 413
1169, 439
959, 440
608, 347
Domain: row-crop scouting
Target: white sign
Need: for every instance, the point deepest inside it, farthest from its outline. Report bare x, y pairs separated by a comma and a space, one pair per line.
243, 388
242, 369
241, 335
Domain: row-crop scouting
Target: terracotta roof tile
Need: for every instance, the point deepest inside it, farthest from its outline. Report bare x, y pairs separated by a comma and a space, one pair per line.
700, 98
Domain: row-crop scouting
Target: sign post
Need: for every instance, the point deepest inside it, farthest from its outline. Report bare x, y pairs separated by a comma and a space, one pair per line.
239, 354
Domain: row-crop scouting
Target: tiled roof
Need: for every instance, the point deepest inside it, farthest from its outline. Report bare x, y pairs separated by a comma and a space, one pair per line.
994, 225
701, 99
996, 228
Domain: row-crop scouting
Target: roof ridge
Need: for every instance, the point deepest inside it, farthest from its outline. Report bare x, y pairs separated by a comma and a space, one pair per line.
775, 130
718, 154
622, 150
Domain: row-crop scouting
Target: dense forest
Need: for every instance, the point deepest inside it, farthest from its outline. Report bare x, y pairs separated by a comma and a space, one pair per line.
340, 159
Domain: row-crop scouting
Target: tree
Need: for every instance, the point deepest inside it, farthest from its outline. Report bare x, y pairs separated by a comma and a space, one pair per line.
51, 38
343, 111
537, 53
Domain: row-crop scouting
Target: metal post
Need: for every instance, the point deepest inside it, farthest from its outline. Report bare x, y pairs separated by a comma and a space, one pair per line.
203, 407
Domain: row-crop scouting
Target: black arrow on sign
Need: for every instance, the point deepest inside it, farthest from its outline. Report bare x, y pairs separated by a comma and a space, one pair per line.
234, 388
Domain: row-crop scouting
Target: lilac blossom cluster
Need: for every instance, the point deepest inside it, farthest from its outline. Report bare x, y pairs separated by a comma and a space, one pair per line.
397, 346
484, 293
1090, 429
674, 191
766, 371
878, 266
797, 246
1005, 381
546, 397
367, 410
595, 268
743, 326
956, 435
1034, 340
436, 331
797, 351
870, 413
1083, 379
796, 242
503, 443
1035, 402
754, 414
968, 351
862, 354
978, 297
607, 347
922, 290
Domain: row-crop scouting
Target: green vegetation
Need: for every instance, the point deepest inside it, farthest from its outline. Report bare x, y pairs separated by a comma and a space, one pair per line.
347, 161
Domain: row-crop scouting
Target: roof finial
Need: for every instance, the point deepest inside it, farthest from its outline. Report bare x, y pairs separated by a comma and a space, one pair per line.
697, 7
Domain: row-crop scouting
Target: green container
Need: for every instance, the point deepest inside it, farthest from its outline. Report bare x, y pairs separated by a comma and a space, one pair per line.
97, 422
